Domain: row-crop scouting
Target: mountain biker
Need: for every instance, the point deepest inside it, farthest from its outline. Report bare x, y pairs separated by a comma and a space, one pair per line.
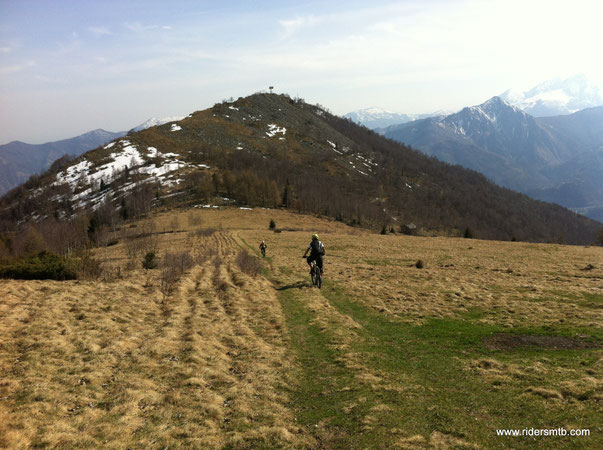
317, 251
263, 248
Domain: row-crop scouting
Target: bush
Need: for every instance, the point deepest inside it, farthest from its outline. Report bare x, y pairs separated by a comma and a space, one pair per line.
248, 264
44, 266
272, 225
173, 267
468, 234
88, 267
419, 264
149, 261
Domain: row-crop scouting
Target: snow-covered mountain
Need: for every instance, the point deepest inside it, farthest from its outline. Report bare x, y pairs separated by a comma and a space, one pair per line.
556, 97
154, 121
375, 118
18, 160
557, 159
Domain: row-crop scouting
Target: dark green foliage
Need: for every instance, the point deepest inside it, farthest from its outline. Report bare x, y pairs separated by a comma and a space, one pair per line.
468, 234
272, 225
419, 264
384, 229
43, 266
149, 261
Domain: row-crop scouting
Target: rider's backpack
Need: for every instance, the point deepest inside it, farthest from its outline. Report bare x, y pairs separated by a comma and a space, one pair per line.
316, 247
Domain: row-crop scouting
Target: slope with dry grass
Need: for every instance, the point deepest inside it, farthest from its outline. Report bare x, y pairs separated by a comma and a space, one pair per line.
112, 363
486, 335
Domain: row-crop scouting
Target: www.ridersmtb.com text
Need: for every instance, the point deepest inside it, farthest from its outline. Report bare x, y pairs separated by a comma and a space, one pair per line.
543, 432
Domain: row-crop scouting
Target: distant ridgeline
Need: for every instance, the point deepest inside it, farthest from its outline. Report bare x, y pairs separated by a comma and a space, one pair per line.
271, 150
557, 159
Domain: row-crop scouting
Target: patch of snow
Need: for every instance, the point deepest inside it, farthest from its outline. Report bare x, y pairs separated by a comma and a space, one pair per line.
273, 129
246, 209
233, 108
154, 121
176, 127
109, 145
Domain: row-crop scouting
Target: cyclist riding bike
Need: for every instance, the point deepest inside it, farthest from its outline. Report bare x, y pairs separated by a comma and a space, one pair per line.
317, 251
263, 248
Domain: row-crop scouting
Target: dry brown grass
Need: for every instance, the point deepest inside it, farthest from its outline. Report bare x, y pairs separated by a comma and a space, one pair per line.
96, 364
105, 363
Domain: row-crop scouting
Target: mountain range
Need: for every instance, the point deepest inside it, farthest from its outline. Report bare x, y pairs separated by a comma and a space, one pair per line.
550, 98
19, 161
269, 150
556, 159
556, 97
375, 118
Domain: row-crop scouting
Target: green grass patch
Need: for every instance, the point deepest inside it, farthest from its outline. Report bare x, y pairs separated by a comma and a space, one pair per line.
429, 364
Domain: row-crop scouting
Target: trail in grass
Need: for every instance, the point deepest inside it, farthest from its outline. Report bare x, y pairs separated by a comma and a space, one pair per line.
366, 379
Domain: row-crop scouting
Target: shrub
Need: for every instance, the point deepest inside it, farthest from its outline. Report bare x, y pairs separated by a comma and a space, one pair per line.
168, 281
419, 264
88, 267
468, 234
173, 267
248, 264
44, 266
272, 225
149, 261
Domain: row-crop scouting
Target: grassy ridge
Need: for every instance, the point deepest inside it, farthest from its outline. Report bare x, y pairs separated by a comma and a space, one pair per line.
486, 335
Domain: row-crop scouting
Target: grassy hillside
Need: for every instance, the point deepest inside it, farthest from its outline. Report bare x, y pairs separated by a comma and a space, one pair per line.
270, 150
486, 335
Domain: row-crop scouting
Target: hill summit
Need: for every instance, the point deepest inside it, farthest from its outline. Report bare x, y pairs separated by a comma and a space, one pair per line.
270, 150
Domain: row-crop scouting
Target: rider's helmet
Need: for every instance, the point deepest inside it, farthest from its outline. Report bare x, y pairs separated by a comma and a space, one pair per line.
263, 241
314, 237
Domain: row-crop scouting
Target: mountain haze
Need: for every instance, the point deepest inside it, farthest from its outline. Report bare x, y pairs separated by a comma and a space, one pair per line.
556, 97
18, 160
270, 150
554, 158
375, 118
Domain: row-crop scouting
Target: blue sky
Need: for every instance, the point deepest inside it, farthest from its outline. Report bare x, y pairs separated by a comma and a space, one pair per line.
67, 67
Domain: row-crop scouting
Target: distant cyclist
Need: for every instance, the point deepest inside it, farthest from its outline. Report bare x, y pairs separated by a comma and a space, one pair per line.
263, 248
317, 251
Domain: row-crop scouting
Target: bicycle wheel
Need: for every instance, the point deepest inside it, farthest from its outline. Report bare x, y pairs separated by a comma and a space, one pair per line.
313, 274
318, 279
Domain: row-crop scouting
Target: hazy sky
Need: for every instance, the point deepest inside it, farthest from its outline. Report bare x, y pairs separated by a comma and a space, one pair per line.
67, 67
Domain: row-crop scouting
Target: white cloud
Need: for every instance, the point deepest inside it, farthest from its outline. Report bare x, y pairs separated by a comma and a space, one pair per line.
100, 31
293, 26
16, 68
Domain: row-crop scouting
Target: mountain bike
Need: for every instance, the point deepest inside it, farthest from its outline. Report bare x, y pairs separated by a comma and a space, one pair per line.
315, 274
263, 250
